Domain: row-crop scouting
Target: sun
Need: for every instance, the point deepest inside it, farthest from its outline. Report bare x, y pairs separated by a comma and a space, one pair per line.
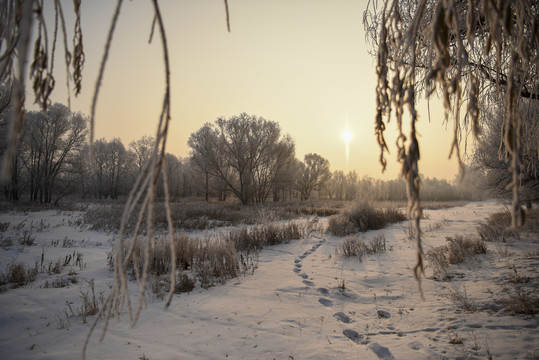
347, 136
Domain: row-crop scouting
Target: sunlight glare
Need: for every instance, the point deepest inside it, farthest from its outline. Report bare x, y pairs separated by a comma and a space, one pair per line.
347, 136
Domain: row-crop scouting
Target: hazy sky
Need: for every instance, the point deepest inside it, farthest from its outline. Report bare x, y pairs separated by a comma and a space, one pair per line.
301, 63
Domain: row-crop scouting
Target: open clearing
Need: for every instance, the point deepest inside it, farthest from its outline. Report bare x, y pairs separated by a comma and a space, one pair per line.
302, 302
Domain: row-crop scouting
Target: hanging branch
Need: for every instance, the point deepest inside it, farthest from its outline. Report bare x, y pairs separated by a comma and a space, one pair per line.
434, 46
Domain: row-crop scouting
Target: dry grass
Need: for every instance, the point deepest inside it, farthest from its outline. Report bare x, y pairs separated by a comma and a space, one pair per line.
91, 304
522, 303
355, 246
496, 227
201, 216
461, 300
363, 216
340, 225
458, 250
210, 260
18, 274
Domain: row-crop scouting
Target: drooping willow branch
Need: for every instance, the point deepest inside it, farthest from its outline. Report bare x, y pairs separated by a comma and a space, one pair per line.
434, 46
17, 20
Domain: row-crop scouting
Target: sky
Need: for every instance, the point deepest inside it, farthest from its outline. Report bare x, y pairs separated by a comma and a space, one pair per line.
302, 63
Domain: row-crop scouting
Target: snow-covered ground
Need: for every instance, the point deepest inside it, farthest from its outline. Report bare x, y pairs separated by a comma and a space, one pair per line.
294, 306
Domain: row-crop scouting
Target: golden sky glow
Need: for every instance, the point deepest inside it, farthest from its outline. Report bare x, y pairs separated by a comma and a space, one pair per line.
304, 64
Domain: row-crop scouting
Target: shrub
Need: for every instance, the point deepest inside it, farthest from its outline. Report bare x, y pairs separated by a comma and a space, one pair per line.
340, 225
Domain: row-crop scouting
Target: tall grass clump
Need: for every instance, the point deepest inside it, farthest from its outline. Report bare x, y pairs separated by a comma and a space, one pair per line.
458, 249
17, 275
496, 227
355, 246
254, 238
211, 259
363, 216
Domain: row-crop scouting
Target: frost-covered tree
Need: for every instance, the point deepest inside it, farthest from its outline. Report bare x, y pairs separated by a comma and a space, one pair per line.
142, 148
246, 152
313, 174
491, 155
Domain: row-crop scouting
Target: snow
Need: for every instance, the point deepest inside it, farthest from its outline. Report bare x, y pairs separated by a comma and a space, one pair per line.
302, 302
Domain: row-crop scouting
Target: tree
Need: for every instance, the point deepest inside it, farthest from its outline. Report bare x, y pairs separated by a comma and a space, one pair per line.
11, 188
336, 186
109, 175
313, 174
464, 50
142, 148
246, 152
49, 142
494, 165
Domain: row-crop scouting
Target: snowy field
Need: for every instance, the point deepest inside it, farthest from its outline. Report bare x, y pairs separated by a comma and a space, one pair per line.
303, 301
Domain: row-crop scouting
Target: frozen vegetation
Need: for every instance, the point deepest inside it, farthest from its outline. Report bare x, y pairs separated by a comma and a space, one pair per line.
311, 295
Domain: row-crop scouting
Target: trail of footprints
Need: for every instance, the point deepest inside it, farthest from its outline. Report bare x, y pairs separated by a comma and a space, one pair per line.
381, 351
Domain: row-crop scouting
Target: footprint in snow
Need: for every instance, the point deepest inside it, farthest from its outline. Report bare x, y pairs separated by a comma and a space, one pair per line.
382, 314
298, 265
308, 282
323, 291
353, 335
297, 270
325, 302
343, 317
381, 351
305, 276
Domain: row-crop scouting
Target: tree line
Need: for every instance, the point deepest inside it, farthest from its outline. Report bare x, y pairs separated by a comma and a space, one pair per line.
244, 156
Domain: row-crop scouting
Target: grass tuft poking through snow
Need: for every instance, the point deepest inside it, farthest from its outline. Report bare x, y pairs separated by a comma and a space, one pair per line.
458, 249
355, 246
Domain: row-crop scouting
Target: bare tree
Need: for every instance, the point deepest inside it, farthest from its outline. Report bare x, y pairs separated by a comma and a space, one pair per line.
50, 140
313, 174
245, 152
109, 175
142, 148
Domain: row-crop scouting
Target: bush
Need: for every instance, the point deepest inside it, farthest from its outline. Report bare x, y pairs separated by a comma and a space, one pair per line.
340, 225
